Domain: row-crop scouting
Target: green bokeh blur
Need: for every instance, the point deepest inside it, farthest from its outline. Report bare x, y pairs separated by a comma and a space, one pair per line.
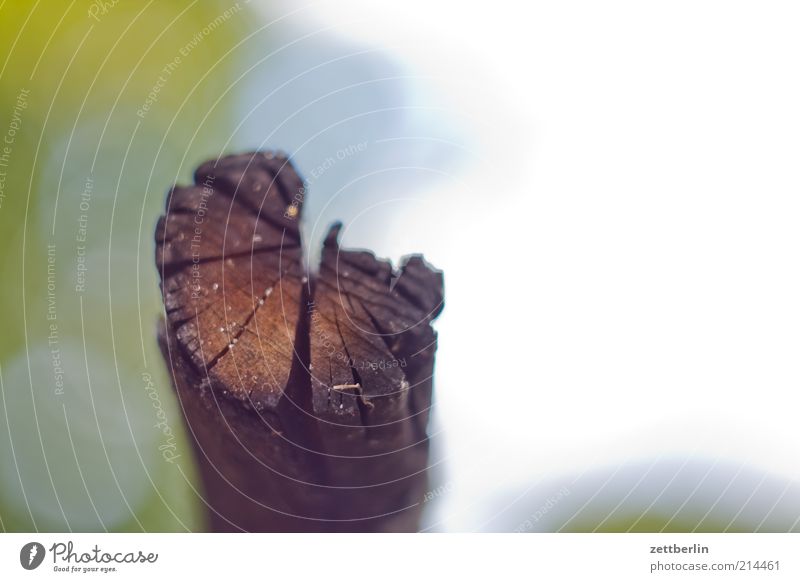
90, 432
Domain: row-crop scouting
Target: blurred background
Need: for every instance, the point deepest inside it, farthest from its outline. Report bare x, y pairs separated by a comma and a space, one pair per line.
610, 189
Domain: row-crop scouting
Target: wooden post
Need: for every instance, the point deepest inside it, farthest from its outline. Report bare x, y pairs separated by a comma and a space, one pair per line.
306, 398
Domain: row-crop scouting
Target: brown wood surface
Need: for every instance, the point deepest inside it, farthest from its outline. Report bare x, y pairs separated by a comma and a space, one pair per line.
307, 397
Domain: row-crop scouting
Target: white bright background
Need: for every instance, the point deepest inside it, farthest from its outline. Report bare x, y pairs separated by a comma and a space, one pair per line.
620, 242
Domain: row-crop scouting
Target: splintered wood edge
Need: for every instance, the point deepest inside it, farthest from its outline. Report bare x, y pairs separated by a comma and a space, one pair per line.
384, 312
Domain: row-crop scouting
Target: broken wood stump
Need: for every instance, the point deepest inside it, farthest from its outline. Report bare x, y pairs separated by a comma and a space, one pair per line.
306, 396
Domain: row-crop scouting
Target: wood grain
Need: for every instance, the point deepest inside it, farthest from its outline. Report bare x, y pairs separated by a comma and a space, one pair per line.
307, 397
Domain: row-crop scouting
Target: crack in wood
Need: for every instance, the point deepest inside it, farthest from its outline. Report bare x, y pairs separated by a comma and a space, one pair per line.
342, 453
